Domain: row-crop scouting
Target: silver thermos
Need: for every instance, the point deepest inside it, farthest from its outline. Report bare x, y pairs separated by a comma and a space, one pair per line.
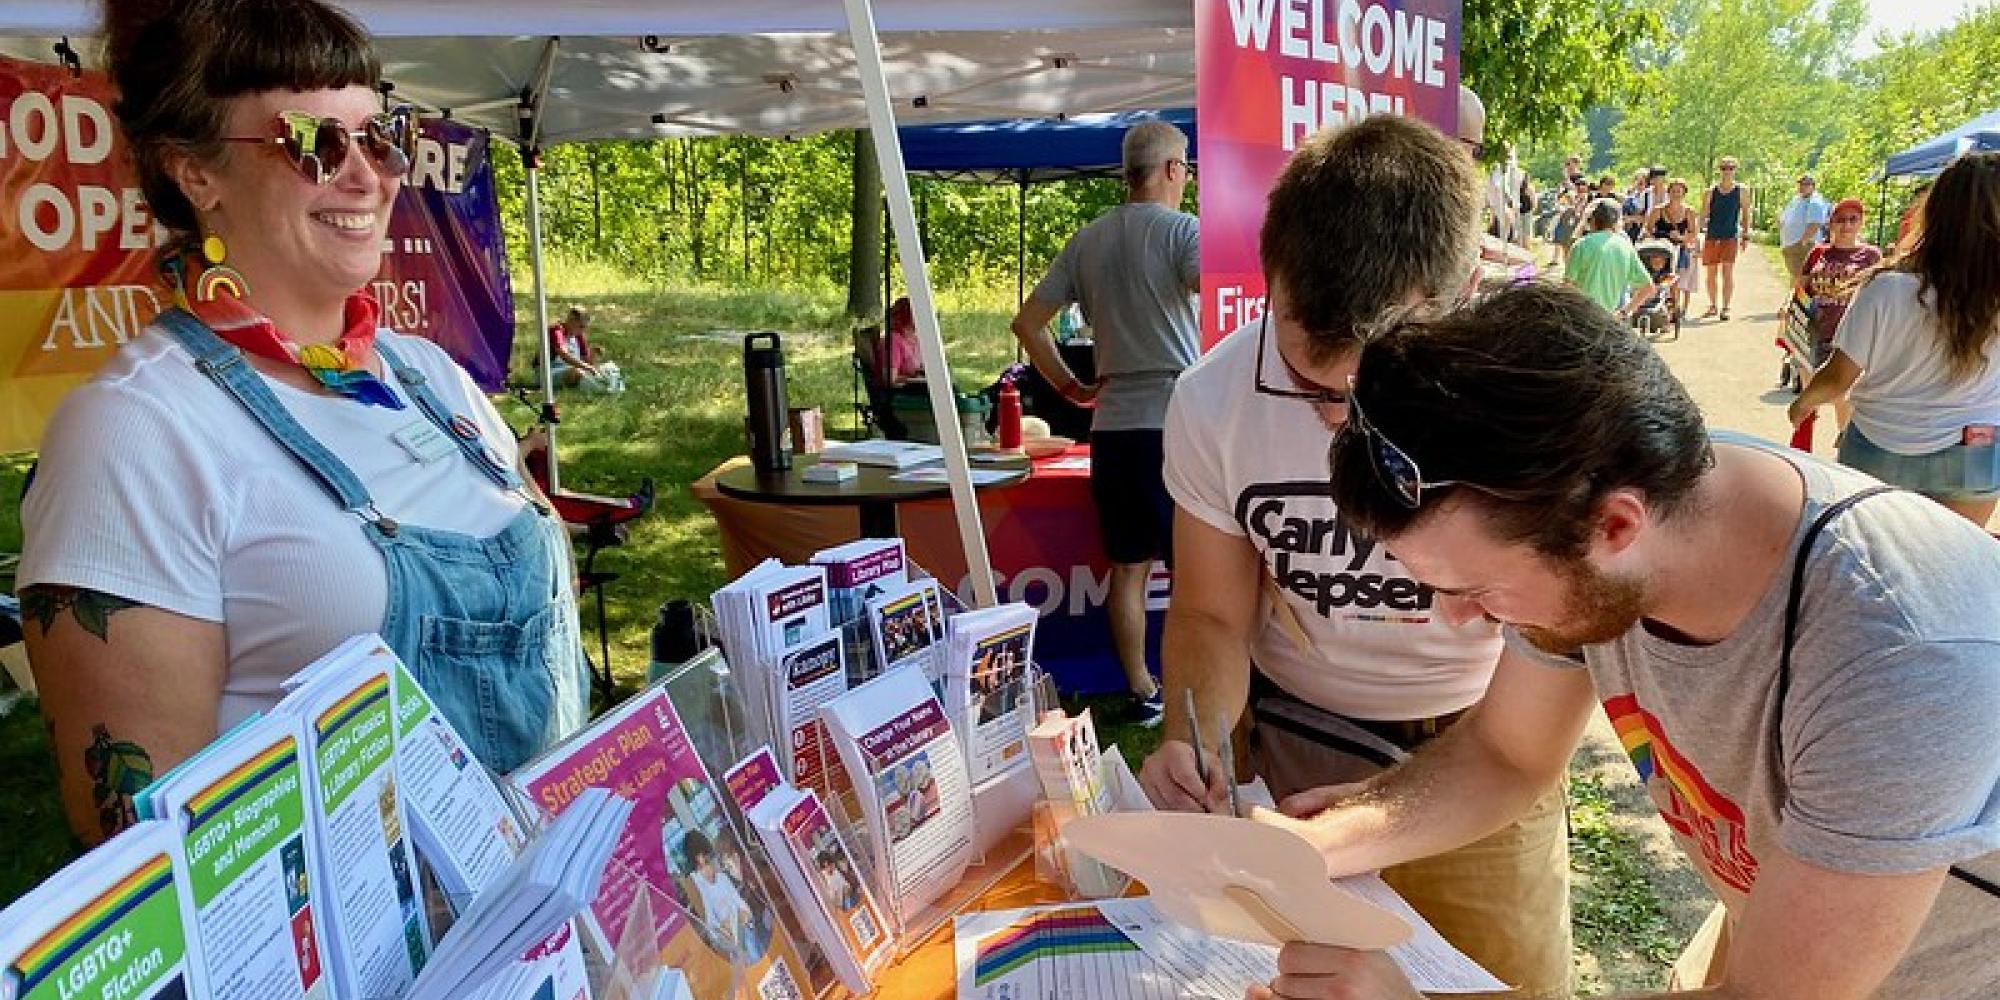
764, 389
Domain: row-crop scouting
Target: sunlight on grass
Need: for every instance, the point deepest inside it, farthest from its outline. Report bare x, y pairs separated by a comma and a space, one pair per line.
682, 413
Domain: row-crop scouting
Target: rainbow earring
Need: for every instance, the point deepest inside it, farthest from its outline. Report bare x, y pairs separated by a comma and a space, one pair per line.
217, 279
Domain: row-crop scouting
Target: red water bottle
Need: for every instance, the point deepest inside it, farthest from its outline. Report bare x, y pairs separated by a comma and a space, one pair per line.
1010, 416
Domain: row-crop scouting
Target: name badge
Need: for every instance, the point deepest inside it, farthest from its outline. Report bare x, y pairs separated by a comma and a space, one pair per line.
423, 442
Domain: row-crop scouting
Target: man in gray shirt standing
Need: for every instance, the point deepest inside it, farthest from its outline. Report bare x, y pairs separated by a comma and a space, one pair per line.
1135, 271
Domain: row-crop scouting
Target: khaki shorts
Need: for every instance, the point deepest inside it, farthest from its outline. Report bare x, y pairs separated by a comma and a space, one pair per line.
1715, 251
1503, 900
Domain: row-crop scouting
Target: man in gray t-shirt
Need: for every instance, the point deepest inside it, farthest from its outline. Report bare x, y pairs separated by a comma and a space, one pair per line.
1135, 271
1534, 463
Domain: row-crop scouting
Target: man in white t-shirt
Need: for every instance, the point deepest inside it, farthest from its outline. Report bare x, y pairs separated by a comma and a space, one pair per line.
1338, 655
1801, 224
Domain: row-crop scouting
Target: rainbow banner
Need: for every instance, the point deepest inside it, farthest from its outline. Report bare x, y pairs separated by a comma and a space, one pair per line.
77, 242
1269, 73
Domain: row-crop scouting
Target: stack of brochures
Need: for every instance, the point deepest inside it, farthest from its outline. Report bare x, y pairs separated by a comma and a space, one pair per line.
906, 622
554, 880
910, 782
860, 570
114, 923
281, 861
1075, 782
879, 452
814, 868
238, 811
988, 685
765, 615
855, 574
681, 881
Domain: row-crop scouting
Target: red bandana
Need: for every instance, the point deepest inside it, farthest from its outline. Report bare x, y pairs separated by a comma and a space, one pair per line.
340, 366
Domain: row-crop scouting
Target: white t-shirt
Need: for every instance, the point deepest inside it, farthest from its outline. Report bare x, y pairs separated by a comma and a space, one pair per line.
157, 486
1800, 213
1906, 400
1253, 465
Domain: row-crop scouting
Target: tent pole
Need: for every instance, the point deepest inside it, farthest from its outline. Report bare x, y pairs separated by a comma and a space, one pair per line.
532, 159
1020, 249
528, 111
1881, 208
917, 279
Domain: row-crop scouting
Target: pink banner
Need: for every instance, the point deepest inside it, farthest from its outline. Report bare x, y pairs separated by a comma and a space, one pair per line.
1269, 73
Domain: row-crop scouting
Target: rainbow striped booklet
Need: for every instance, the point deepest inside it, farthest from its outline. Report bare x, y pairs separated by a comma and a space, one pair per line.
110, 924
257, 909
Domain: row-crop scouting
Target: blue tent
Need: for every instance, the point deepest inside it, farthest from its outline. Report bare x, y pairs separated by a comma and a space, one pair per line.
1026, 150
1934, 155
1023, 151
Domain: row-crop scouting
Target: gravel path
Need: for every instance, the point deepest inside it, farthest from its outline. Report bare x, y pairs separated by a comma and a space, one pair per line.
1730, 368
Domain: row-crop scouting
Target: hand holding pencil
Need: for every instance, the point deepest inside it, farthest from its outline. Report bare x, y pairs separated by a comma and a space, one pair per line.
1184, 776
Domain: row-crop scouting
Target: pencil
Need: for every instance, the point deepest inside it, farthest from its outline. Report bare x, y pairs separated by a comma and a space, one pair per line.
1194, 736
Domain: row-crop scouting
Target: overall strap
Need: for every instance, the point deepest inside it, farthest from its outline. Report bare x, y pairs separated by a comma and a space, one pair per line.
1819, 524
225, 365
459, 429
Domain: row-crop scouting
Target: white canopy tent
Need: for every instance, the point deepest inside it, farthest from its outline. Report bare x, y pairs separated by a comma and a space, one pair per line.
539, 74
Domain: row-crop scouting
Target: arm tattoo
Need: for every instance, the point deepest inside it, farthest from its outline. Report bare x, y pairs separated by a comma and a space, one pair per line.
92, 609
118, 770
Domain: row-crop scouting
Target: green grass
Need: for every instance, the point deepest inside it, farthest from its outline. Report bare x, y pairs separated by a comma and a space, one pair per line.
682, 413
1615, 913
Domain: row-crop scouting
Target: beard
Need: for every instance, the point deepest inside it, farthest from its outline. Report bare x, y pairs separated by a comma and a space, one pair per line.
1597, 608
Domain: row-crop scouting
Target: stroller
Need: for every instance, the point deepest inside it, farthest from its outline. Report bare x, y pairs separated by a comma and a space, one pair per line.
1661, 313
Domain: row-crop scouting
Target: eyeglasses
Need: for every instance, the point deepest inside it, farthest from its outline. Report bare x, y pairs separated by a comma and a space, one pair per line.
1394, 468
1186, 165
1318, 396
318, 147
1478, 148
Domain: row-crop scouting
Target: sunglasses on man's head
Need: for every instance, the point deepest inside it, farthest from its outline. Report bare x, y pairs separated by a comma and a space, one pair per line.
318, 147
1394, 467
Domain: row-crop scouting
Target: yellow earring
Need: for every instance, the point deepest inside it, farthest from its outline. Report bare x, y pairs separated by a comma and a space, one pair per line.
218, 279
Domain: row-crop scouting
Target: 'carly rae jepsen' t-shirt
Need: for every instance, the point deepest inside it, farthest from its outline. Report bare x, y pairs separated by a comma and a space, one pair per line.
1253, 465
1879, 762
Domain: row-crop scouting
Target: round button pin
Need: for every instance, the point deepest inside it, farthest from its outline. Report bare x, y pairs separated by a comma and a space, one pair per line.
464, 428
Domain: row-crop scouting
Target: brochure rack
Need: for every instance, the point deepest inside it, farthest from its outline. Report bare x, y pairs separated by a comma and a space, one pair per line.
710, 701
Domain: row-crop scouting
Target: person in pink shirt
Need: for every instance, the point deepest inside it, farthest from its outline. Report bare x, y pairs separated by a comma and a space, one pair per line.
902, 359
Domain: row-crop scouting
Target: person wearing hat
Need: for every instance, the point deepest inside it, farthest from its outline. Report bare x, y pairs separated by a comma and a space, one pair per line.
1829, 276
1801, 225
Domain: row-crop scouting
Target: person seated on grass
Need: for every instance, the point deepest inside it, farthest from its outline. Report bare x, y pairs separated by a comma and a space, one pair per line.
575, 361
265, 472
1803, 667
570, 353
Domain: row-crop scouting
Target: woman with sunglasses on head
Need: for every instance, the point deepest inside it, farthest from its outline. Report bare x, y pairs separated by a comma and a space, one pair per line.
265, 472
1919, 349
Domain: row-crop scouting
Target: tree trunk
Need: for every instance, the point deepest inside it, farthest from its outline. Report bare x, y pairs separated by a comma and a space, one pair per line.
864, 254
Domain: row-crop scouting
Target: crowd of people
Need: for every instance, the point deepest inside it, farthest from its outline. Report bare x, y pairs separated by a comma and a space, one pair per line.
1419, 534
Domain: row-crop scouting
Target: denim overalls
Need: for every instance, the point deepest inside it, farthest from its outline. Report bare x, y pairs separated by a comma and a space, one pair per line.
484, 624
